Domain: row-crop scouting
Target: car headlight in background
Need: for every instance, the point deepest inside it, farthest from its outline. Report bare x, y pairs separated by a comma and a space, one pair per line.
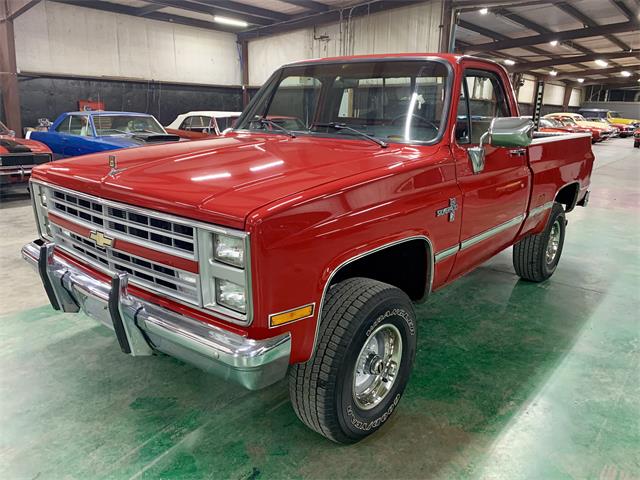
228, 249
231, 295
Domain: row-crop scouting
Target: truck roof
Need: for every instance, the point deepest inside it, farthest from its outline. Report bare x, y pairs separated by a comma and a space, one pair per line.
451, 57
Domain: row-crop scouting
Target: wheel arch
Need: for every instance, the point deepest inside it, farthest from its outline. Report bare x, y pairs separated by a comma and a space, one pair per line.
567, 195
352, 260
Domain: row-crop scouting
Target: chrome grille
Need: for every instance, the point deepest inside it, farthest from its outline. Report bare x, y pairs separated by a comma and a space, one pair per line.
143, 272
125, 222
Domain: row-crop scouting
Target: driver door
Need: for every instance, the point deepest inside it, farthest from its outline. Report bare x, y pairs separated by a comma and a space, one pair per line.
495, 198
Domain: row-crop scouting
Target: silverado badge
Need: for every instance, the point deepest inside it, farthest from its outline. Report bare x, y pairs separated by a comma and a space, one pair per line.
450, 210
100, 239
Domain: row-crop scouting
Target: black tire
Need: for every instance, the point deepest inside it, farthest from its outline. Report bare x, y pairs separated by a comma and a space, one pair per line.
322, 389
530, 258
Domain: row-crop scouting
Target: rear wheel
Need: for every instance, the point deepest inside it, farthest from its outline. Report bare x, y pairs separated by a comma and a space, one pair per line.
536, 257
361, 366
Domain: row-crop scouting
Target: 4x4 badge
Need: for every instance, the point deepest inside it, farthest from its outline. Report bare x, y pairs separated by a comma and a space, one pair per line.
450, 210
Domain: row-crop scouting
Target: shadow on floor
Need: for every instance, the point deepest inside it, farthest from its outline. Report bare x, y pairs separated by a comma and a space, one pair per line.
74, 405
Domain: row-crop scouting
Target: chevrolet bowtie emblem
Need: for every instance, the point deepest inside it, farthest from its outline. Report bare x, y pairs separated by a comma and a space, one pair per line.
450, 210
100, 239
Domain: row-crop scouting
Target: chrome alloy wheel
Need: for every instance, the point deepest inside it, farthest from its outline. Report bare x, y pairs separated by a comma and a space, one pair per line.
554, 242
377, 366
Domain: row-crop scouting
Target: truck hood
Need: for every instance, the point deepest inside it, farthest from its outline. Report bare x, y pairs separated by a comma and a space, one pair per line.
220, 180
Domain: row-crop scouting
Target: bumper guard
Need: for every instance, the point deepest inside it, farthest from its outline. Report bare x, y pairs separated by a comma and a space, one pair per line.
142, 328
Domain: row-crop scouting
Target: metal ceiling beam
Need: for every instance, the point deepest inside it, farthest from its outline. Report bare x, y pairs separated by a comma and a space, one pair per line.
475, 4
525, 67
331, 16
15, 8
624, 9
142, 11
531, 25
622, 82
244, 9
209, 10
485, 32
586, 20
309, 5
600, 71
559, 36
162, 17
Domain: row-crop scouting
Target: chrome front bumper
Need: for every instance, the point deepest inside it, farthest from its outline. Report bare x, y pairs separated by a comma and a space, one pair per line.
142, 327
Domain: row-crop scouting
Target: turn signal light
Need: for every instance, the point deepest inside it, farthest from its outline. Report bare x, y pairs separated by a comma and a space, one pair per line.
291, 315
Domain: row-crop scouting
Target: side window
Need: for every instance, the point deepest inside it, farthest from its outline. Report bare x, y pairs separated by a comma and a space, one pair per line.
463, 125
64, 126
79, 125
199, 123
186, 124
486, 99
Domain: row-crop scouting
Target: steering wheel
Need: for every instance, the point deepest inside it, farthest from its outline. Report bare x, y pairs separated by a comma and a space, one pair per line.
420, 120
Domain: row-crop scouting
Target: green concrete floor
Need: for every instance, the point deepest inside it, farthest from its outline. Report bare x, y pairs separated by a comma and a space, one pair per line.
512, 380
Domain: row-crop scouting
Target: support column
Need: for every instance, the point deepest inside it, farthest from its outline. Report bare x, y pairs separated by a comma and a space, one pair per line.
445, 25
244, 63
8, 70
568, 88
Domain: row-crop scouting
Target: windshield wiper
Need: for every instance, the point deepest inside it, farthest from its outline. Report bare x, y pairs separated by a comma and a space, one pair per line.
342, 126
266, 121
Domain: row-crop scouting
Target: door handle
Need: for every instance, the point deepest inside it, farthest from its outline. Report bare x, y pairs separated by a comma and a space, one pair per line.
518, 152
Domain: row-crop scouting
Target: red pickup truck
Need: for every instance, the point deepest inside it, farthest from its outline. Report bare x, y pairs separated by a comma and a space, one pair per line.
271, 252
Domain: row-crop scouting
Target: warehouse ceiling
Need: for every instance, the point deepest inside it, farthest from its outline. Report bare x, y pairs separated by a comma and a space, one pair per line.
581, 41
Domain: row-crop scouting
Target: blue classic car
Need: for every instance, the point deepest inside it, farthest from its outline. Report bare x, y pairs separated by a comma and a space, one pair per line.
79, 133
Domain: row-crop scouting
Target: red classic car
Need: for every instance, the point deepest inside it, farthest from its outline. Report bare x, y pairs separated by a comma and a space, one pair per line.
17, 157
597, 134
298, 250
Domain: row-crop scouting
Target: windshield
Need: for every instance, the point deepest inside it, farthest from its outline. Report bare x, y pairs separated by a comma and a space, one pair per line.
550, 123
579, 118
614, 114
108, 125
397, 101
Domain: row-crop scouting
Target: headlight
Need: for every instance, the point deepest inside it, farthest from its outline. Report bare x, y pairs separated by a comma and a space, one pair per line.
39, 199
225, 273
229, 250
231, 295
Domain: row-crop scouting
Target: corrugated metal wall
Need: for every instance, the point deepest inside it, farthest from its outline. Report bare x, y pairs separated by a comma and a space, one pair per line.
408, 29
70, 40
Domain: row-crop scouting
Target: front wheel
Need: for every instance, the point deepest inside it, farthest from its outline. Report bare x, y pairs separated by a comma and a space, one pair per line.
536, 257
361, 366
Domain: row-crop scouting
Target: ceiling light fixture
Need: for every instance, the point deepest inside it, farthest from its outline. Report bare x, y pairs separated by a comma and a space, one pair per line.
580, 80
483, 11
602, 63
553, 43
553, 73
509, 62
230, 21
625, 73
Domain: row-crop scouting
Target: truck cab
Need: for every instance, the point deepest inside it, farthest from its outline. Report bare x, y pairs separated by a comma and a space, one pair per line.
297, 249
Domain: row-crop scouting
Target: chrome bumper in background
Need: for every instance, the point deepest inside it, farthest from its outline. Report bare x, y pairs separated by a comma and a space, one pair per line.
142, 327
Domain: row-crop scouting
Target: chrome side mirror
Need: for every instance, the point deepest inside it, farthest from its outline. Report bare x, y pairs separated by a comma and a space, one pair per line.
511, 132
503, 132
